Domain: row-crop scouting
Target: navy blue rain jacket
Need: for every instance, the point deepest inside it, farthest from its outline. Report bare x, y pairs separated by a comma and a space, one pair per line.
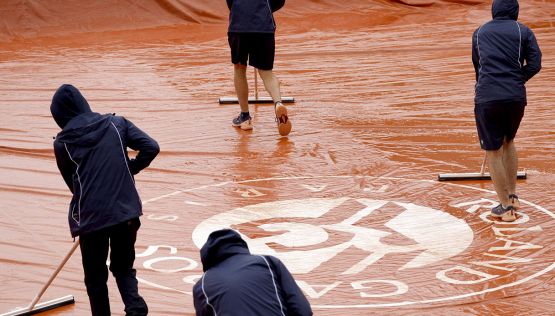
91, 153
505, 55
238, 283
253, 16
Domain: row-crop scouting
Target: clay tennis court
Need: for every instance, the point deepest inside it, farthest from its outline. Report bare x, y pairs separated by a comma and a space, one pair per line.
350, 201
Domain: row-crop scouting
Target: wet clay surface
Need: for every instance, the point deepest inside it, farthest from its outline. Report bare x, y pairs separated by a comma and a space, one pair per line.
349, 201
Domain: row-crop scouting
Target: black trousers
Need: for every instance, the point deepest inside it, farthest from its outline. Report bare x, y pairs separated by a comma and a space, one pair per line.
94, 250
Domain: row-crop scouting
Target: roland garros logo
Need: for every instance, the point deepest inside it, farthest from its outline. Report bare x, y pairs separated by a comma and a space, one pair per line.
360, 242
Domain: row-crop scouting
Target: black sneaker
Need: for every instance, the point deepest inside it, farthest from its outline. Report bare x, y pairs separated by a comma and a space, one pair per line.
506, 214
244, 123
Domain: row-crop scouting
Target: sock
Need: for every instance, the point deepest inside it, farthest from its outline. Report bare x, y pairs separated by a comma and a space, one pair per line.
245, 115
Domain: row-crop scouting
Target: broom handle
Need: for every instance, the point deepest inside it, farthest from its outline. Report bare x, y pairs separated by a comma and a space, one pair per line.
483, 168
255, 85
39, 295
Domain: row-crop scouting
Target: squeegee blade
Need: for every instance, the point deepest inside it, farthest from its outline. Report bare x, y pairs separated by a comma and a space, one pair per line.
233, 100
42, 307
472, 176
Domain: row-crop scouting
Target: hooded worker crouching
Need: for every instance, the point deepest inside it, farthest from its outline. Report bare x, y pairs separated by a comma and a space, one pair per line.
236, 282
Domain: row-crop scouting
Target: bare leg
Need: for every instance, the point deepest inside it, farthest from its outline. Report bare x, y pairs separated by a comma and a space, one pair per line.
510, 161
271, 83
241, 86
499, 175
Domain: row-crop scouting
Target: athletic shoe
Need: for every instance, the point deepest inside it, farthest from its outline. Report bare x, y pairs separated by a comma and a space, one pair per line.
244, 124
515, 203
282, 120
506, 214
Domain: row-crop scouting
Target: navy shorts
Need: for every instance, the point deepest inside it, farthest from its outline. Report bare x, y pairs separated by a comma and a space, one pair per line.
256, 48
497, 121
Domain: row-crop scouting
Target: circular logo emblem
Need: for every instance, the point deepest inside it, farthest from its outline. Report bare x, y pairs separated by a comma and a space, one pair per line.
356, 242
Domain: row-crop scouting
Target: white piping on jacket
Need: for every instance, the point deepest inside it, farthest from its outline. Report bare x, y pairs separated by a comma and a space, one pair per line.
479, 55
123, 152
275, 286
519, 43
80, 187
206, 296
478, 47
271, 13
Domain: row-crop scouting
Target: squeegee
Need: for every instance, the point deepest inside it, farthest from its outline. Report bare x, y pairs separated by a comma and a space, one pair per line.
256, 99
35, 307
482, 175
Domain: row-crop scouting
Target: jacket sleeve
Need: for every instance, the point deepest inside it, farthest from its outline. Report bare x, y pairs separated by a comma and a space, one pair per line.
532, 55
229, 4
199, 300
475, 54
277, 4
294, 299
146, 146
65, 165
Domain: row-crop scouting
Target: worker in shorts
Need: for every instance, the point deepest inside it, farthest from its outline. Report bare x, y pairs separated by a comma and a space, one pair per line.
251, 37
505, 55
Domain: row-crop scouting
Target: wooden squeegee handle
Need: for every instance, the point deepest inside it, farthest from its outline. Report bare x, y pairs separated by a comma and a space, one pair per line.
255, 85
53, 276
483, 168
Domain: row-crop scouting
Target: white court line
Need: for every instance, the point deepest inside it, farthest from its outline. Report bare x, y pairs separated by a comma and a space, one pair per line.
158, 286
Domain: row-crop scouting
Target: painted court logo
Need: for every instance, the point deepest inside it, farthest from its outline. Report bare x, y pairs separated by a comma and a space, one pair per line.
364, 242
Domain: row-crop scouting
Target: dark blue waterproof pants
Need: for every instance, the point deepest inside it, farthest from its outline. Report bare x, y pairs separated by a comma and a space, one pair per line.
94, 250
